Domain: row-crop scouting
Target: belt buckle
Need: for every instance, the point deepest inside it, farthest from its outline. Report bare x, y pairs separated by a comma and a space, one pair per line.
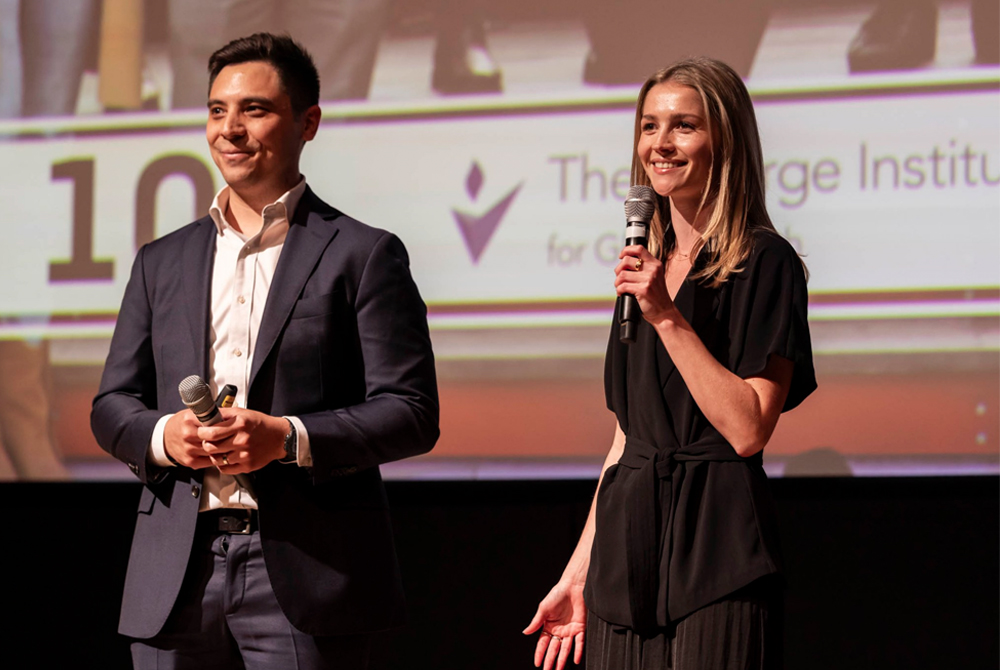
235, 523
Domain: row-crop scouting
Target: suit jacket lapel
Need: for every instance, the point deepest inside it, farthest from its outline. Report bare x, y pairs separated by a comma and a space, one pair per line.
309, 233
196, 265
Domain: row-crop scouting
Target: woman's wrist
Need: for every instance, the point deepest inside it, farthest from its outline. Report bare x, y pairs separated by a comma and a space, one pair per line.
567, 584
575, 575
666, 321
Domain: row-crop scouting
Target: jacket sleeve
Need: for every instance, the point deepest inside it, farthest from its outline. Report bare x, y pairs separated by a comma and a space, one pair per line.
123, 414
399, 415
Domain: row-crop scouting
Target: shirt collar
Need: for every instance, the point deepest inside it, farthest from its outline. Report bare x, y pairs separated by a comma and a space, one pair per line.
283, 207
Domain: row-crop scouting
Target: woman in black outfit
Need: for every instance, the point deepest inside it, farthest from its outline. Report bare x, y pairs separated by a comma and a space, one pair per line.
677, 566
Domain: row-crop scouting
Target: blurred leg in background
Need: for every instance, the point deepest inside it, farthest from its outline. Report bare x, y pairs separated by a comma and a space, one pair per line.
341, 35
462, 60
10, 60
899, 35
621, 34
343, 38
902, 35
58, 41
45, 46
25, 413
986, 31
197, 29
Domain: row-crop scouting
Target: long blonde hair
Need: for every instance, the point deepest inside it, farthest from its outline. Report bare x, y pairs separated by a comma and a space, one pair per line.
735, 184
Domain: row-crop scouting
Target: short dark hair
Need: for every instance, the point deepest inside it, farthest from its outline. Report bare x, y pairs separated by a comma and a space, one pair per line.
295, 66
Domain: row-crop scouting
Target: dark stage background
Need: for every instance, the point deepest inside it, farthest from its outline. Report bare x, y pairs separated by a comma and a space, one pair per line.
885, 177
895, 573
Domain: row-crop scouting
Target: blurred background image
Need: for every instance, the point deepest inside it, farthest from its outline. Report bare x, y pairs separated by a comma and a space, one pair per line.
495, 140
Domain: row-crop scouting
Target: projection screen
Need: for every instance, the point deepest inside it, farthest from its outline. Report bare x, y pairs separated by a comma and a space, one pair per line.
507, 190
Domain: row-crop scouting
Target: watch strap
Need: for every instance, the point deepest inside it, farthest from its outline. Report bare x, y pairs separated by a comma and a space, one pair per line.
291, 444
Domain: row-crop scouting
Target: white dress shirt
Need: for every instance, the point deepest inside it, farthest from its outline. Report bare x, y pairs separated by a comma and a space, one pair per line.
241, 278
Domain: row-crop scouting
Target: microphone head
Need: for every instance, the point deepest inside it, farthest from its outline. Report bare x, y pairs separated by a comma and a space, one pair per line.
197, 396
640, 204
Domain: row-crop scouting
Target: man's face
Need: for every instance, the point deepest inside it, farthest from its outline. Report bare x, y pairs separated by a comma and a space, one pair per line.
254, 135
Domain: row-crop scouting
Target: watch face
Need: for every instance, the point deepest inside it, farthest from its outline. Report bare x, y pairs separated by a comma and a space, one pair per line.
290, 442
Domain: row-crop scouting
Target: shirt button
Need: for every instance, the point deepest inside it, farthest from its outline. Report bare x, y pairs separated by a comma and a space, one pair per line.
237, 353
195, 491
241, 300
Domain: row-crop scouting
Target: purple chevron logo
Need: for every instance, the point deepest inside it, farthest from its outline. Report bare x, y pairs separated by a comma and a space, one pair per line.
477, 229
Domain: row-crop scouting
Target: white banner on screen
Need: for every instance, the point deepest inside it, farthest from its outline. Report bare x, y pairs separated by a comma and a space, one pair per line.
880, 194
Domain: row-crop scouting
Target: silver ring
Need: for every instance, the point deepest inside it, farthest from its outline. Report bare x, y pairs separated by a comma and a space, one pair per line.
225, 459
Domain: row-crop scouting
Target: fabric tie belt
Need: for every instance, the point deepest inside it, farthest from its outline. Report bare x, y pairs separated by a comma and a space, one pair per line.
644, 504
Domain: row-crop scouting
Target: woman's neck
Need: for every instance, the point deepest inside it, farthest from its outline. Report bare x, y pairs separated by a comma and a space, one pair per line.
688, 224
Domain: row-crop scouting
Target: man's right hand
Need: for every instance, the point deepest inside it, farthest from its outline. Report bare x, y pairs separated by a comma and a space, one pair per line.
180, 440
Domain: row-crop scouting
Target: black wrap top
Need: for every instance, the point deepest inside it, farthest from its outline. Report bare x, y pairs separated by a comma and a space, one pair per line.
682, 520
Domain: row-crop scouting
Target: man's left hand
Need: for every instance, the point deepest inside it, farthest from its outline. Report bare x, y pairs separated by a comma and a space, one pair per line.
244, 441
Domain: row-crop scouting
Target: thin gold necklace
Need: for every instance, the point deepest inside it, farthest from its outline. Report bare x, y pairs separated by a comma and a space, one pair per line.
678, 255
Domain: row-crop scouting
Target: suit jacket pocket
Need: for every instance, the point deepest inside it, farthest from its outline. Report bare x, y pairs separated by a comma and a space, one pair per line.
317, 305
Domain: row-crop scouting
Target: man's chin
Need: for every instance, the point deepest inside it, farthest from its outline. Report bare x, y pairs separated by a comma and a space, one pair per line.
236, 178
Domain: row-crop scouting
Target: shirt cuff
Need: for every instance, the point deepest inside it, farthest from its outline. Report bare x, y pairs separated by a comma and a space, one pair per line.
304, 457
157, 450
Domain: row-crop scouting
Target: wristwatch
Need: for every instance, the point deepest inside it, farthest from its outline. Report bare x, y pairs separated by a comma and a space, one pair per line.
291, 445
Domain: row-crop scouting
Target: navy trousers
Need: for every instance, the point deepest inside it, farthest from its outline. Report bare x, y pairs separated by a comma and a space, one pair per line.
227, 617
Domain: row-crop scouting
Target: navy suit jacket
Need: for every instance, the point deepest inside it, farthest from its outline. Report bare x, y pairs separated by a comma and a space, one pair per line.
344, 346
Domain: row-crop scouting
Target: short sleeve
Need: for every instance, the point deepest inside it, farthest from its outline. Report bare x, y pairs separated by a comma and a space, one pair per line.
769, 315
615, 364
609, 363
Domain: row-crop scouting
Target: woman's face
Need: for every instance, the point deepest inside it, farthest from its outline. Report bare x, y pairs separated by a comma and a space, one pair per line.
675, 145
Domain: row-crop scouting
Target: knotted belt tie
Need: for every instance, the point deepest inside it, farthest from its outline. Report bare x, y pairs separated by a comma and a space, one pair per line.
643, 507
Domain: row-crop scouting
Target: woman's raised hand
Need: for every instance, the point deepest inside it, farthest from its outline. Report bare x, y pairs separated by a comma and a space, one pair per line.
641, 274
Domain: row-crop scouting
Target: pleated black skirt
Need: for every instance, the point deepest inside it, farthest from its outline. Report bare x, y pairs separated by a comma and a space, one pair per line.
743, 631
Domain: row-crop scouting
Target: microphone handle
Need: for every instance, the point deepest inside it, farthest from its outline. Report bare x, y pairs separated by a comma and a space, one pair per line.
630, 314
225, 399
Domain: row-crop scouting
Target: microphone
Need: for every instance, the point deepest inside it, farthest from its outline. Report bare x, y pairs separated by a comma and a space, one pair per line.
226, 397
198, 398
639, 207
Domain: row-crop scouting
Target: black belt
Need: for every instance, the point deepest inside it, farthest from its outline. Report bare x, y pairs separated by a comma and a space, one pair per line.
644, 506
234, 521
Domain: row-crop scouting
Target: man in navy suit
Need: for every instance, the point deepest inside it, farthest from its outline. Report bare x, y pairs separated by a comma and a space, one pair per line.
314, 317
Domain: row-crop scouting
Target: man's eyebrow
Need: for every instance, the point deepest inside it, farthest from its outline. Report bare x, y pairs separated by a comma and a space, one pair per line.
243, 101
